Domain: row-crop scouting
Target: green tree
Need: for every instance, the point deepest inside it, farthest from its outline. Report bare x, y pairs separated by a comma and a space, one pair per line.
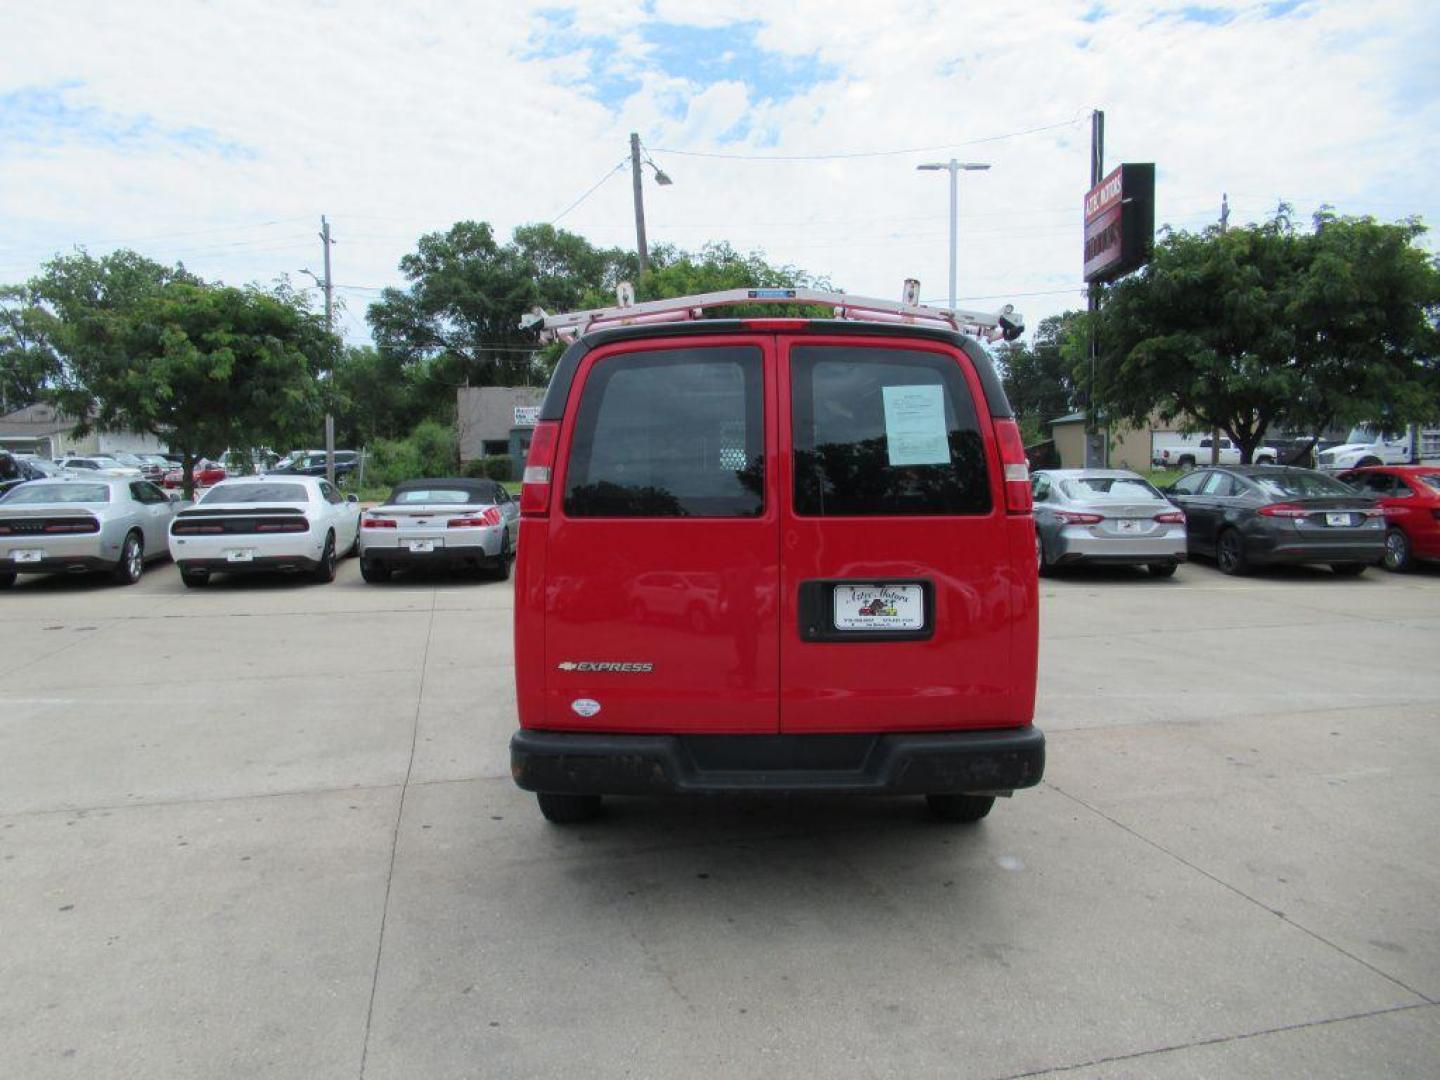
28, 362
1270, 325
201, 367
457, 323
1039, 376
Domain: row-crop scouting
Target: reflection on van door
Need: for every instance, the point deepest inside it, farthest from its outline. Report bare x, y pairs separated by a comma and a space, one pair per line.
663, 614
895, 605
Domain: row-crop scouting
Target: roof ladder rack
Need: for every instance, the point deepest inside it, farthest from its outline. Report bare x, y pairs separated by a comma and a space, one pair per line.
1006, 323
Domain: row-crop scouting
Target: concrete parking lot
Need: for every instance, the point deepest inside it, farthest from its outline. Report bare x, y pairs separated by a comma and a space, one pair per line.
267, 830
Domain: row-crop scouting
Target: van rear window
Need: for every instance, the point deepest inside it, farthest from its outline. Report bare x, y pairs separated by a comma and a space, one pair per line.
884, 432
672, 433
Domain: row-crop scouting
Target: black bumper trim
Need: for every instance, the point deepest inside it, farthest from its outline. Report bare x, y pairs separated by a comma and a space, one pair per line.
282, 563
446, 557
65, 564
569, 762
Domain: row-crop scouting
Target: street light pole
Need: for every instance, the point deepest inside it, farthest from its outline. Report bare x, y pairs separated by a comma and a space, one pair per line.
637, 158
954, 168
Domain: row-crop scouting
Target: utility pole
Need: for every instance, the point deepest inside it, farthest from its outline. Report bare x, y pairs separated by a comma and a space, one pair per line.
636, 179
330, 332
1096, 450
1224, 224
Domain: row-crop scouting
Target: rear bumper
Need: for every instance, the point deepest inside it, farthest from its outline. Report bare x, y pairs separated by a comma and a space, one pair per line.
284, 563
1368, 550
1069, 547
72, 564
401, 558
583, 763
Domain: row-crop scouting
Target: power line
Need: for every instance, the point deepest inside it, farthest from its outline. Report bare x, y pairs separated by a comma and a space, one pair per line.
867, 153
591, 190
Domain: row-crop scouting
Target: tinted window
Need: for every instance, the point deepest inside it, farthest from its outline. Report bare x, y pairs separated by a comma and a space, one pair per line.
1221, 485
1299, 485
40, 492
1189, 485
884, 431
675, 433
1431, 480
331, 492
256, 493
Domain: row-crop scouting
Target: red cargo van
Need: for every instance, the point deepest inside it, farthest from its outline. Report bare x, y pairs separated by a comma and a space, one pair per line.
842, 510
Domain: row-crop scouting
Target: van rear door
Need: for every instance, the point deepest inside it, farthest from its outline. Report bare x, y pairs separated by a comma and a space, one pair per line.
662, 560
901, 583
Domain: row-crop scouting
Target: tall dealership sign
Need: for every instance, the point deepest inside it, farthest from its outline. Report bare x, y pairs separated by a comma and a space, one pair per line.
1120, 223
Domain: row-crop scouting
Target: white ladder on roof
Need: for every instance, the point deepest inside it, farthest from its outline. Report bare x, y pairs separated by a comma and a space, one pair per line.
1005, 323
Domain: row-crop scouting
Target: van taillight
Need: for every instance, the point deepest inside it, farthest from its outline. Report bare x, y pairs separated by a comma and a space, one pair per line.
1017, 469
535, 487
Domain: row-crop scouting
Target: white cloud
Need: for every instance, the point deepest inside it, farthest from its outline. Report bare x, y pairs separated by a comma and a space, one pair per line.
397, 119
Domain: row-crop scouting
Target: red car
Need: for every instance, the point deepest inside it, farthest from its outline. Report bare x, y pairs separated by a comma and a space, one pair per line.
1410, 497
206, 473
784, 471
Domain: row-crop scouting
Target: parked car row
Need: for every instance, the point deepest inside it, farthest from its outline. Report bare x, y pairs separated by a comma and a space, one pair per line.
290, 523
1242, 516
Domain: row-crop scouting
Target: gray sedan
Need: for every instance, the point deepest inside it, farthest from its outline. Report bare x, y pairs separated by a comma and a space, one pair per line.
1105, 516
79, 524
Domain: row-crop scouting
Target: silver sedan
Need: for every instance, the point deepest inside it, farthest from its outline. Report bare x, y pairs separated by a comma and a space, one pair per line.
448, 522
1108, 516
83, 523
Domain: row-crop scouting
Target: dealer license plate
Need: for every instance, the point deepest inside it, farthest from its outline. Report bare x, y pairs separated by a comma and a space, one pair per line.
1128, 525
420, 547
879, 607
240, 555
27, 555
1341, 520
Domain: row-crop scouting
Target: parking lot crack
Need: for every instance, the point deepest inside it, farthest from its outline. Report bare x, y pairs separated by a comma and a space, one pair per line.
395, 837
1218, 1040
1240, 893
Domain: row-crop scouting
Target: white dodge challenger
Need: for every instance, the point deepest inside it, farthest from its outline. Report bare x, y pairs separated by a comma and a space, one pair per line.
297, 524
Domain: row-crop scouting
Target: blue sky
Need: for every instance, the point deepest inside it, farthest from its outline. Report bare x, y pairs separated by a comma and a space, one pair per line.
217, 135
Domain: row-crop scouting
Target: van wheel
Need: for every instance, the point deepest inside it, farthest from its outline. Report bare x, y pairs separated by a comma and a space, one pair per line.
1186, 464
374, 572
1348, 569
1162, 569
1397, 552
962, 808
567, 809
1230, 554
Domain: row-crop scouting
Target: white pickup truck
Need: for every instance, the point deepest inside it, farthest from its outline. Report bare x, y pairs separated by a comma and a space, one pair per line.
1185, 452
1368, 445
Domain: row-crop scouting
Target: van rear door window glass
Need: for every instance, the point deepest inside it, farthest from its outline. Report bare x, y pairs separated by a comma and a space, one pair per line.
672, 433
884, 432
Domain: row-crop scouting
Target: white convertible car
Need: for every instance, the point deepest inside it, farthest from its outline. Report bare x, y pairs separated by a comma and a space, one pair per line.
449, 522
298, 524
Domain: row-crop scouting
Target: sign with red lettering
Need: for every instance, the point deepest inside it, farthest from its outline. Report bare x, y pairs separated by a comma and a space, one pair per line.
1120, 222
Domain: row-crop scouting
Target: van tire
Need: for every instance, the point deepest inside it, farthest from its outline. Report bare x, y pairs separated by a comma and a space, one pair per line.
1186, 463
960, 808
560, 809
